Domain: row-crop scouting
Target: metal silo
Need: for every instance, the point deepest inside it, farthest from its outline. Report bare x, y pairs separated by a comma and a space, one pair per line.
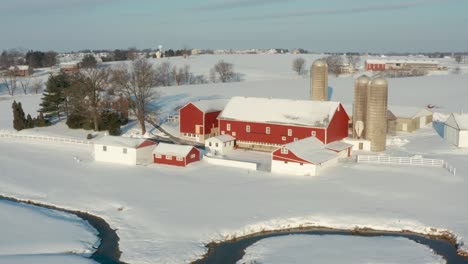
376, 124
319, 81
360, 106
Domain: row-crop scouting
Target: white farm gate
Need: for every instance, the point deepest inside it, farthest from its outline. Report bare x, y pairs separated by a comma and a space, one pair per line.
411, 161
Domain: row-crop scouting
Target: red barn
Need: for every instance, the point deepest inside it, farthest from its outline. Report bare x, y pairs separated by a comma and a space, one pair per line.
307, 156
175, 155
375, 65
265, 124
198, 120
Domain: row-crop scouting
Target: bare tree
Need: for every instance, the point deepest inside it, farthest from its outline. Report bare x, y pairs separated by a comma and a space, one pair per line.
335, 64
136, 83
36, 86
10, 83
132, 53
298, 65
353, 60
224, 71
93, 81
163, 74
456, 70
458, 58
24, 83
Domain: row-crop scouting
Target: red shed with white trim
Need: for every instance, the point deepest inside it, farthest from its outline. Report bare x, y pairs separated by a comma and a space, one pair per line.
265, 123
176, 155
198, 120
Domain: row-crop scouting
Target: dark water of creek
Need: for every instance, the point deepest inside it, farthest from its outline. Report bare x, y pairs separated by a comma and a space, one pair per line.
232, 251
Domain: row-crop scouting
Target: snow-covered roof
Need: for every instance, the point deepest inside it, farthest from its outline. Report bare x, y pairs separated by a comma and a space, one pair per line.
280, 111
65, 65
459, 121
118, 141
338, 145
173, 149
311, 149
19, 67
374, 61
208, 106
409, 112
222, 138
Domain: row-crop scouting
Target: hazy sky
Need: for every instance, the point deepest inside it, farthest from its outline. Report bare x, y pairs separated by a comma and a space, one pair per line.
316, 25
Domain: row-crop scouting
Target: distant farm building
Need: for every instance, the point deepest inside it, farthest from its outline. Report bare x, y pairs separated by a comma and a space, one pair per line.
402, 65
308, 156
198, 120
219, 145
265, 124
20, 70
456, 130
175, 155
122, 150
69, 67
408, 119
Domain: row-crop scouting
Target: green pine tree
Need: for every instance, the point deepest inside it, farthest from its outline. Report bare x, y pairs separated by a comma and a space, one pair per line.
29, 122
19, 121
54, 95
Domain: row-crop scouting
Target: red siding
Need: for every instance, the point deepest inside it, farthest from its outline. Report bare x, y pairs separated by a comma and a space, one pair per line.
189, 117
174, 162
258, 132
375, 67
338, 127
211, 121
290, 157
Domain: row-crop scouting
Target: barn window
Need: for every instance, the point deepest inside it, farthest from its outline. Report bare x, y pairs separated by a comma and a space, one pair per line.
222, 132
216, 144
285, 162
267, 130
192, 156
289, 132
228, 127
234, 134
104, 148
168, 157
314, 133
180, 159
284, 150
124, 150
158, 156
296, 139
247, 128
302, 164
209, 144
283, 138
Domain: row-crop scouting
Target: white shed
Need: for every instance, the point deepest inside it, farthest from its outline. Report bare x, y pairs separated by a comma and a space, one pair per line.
123, 150
219, 145
456, 130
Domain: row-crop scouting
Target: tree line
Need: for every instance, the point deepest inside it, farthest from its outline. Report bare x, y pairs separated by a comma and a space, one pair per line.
35, 59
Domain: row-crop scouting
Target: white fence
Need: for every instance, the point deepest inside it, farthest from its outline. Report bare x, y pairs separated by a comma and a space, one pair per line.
46, 138
231, 163
412, 161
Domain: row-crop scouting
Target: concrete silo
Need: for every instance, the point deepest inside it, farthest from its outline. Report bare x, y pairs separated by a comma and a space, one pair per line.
376, 121
360, 106
319, 81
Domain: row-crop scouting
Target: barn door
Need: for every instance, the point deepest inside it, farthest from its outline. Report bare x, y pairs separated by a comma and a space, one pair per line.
199, 129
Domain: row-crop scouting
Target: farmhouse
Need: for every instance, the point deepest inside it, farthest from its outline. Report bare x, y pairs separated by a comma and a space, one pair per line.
122, 150
219, 145
176, 155
69, 67
308, 156
265, 123
402, 65
456, 130
20, 70
197, 120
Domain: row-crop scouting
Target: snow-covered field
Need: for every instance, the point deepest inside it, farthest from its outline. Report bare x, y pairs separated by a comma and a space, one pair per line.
32, 234
170, 213
331, 249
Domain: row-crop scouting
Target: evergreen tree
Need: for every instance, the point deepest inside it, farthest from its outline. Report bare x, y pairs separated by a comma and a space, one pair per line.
29, 122
54, 95
18, 116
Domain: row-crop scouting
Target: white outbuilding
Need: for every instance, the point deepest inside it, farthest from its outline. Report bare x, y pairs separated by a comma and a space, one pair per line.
219, 145
124, 150
456, 130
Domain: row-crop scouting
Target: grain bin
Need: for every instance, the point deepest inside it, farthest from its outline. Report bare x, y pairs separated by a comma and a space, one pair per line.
360, 106
319, 81
376, 124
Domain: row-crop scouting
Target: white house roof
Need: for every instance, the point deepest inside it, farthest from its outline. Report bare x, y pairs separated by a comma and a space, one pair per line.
117, 141
338, 145
222, 138
458, 121
311, 149
65, 65
208, 106
374, 61
172, 149
280, 111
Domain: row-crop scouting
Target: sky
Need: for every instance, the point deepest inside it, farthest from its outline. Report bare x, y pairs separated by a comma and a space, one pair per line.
315, 25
